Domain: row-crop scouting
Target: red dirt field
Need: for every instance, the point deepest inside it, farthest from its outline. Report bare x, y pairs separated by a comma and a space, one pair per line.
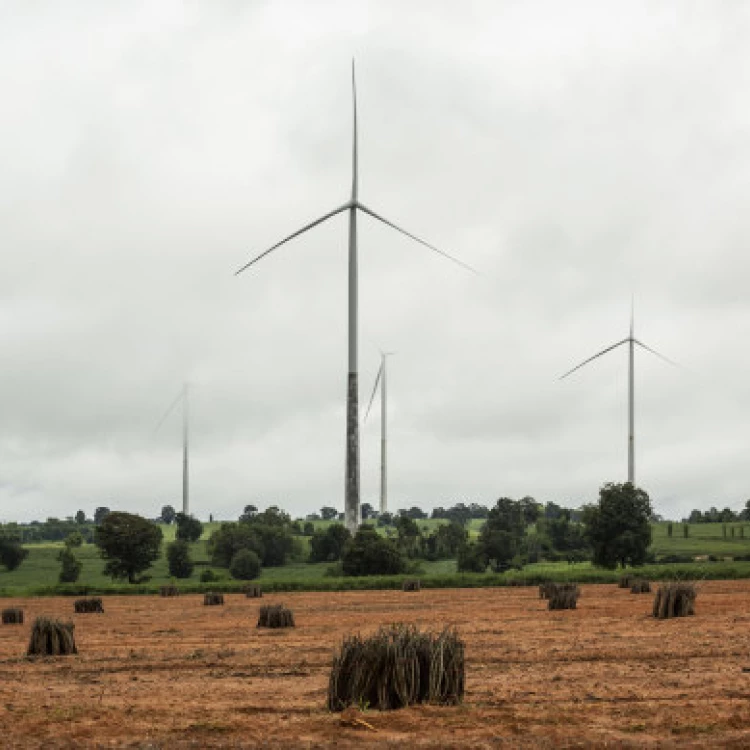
163, 673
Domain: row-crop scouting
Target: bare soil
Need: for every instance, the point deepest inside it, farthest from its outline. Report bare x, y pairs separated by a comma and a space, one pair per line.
170, 672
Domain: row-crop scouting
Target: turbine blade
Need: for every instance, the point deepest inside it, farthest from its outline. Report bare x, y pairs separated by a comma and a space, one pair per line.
174, 403
586, 361
312, 224
415, 238
658, 354
374, 391
355, 146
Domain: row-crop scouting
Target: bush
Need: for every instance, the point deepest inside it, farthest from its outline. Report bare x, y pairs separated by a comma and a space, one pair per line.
675, 600
245, 565
51, 637
70, 568
212, 599
208, 576
12, 616
12, 554
275, 616
368, 554
398, 666
87, 606
178, 559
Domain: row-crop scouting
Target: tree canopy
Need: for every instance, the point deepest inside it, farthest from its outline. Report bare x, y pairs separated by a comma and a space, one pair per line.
129, 543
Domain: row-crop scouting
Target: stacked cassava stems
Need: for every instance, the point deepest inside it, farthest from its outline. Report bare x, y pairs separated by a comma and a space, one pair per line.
84, 606
212, 599
398, 666
411, 584
640, 586
562, 595
12, 616
275, 616
50, 637
169, 590
253, 591
675, 600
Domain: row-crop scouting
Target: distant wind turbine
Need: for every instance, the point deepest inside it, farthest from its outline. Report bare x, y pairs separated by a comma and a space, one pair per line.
631, 341
382, 379
182, 398
352, 487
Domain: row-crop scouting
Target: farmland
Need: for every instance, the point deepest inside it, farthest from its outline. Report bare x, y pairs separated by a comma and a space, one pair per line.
155, 672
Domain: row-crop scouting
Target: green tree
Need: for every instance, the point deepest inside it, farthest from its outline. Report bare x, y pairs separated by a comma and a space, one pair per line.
328, 545
167, 514
80, 517
471, 559
12, 554
445, 541
618, 527
178, 559
327, 513
70, 567
74, 539
189, 529
369, 554
100, 514
502, 536
229, 539
245, 565
129, 543
409, 536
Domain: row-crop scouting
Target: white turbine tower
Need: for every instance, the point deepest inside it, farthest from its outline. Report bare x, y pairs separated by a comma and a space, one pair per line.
631, 341
382, 380
182, 398
351, 494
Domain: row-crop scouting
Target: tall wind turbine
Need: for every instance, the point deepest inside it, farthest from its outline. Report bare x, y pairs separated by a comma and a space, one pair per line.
182, 398
382, 379
631, 341
351, 494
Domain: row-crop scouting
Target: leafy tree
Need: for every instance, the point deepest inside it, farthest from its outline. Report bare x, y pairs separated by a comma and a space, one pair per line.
249, 513
413, 512
385, 519
74, 539
100, 514
328, 514
245, 565
445, 542
12, 554
328, 545
80, 517
367, 511
471, 559
409, 536
129, 543
189, 529
167, 514
273, 531
229, 539
618, 528
178, 559
369, 554
502, 536
309, 528
70, 567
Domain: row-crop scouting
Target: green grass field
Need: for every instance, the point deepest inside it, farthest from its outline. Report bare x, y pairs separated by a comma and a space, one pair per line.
39, 572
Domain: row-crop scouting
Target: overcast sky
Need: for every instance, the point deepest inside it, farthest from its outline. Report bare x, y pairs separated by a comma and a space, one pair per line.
575, 153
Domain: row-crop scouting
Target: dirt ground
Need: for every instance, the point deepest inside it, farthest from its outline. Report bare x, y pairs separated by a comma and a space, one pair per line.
163, 673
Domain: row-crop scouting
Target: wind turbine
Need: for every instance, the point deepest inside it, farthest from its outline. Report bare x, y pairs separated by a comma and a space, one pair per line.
351, 493
631, 341
383, 381
182, 398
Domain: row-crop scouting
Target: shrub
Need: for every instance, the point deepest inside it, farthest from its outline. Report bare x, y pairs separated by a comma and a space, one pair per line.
398, 666
12, 554
170, 590
275, 616
70, 566
564, 596
369, 554
254, 591
245, 565
411, 584
208, 576
674, 600
12, 616
178, 559
87, 606
640, 586
212, 599
51, 637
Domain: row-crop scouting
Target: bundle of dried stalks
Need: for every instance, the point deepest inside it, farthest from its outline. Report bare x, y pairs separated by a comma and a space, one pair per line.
170, 590
52, 638
411, 584
398, 666
564, 596
253, 591
94, 604
626, 581
546, 589
12, 616
639, 586
675, 600
275, 616
211, 599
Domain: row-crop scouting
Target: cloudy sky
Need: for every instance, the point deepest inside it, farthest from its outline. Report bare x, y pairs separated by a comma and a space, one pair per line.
575, 153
